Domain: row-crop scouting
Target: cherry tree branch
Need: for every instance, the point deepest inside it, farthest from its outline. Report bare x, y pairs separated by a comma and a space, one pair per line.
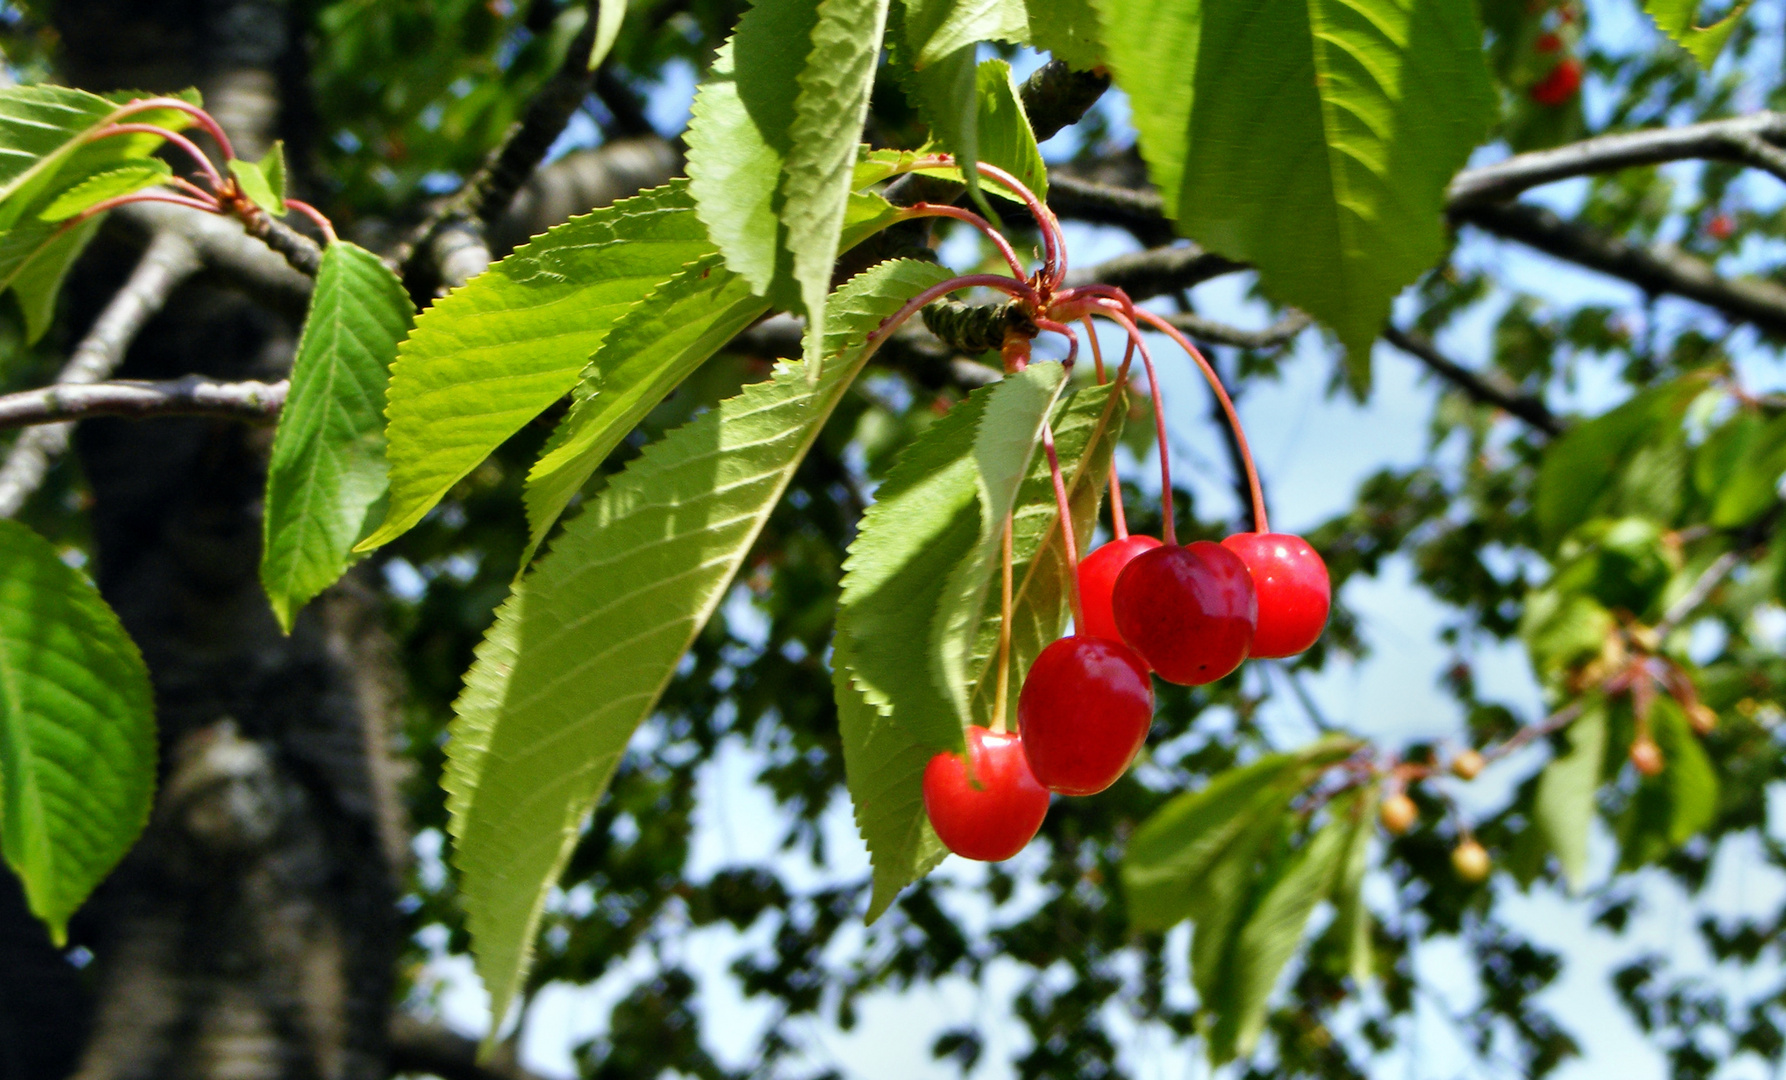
1530, 409
1278, 333
420, 1047
191, 396
169, 260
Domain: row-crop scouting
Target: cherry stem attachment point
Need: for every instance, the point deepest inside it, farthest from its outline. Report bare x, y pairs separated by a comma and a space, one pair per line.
1261, 523
316, 216
1069, 542
1020, 289
1065, 331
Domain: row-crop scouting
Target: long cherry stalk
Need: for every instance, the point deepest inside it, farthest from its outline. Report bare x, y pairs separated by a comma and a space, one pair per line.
1119, 520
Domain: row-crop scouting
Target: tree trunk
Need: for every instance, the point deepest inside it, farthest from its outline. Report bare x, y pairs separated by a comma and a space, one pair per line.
252, 934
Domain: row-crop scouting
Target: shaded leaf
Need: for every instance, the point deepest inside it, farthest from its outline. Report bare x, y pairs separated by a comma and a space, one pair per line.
1352, 917
1066, 28
584, 647
119, 180
497, 351
327, 476
1563, 808
77, 730
1345, 117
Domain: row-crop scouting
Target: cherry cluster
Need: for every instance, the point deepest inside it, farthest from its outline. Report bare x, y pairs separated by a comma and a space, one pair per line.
1189, 613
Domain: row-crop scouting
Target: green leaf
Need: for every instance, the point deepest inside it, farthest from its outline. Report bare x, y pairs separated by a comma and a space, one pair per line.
1352, 917
1005, 137
119, 180
584, 647
1576, 479
1687, 773
1747, 483
610, 15
1005, 440
1563, 808
829, 112
1346, 118
1066, 28
925, 519
650, 350
45, 153
77, 730
1676, 17
740, 133
1166, 870
264, 182
327, 475
491, 356
1269, 938
977, 115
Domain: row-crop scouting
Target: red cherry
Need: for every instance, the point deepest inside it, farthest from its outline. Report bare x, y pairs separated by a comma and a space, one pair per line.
1294, 594
1188, 611
1547, 43
993, 821
1084, 712
1560, 85
1097, 577
1721, 227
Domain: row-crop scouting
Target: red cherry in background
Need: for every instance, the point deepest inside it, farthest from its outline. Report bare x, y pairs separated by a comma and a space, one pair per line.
1084, 712
1097, 577
993, 821
1188, 611
1294, 594
1560, 85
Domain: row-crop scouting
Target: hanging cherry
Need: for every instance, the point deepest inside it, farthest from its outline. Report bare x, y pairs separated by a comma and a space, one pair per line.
995, 819
1097, 579
1083, 713
1561, 84
1294, 594
1189, 611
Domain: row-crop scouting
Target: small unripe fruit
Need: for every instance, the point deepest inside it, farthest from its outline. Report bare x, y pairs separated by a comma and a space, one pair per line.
1471, 861
1702, 718
1646, 756
1399, 814
1467, 765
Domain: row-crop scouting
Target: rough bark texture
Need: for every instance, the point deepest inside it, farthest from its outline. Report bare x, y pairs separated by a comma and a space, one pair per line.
252, 934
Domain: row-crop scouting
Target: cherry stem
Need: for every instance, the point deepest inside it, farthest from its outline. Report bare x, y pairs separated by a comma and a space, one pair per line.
1068, 541
1112, 309
202, 117
1020, 289
174, 137
1002, 701
1119, 520
1261, 524
1065, 331
139, 196
1054, 267
316, 216
920, 210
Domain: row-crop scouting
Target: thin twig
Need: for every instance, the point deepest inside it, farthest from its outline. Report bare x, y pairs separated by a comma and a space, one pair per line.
1530, 409
169, 260
1702, 589
1219, 333
193, 395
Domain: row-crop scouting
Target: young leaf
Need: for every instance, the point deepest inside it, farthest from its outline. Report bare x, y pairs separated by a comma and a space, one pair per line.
584, 647
609, 16
1269, 938
977, 115
77, 730
1066, 28
650, 350
123, 179
925, 520
327, 472
1167, 866
1347, 118
45, 154
1676, 17
263, 182
1564, 806
495, 353
1006, 438
829, 112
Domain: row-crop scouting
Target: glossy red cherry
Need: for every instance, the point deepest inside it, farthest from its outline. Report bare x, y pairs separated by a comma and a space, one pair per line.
1084, 712
1560, 85
1294, 593
1187, 611
993, 821
1097, 577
